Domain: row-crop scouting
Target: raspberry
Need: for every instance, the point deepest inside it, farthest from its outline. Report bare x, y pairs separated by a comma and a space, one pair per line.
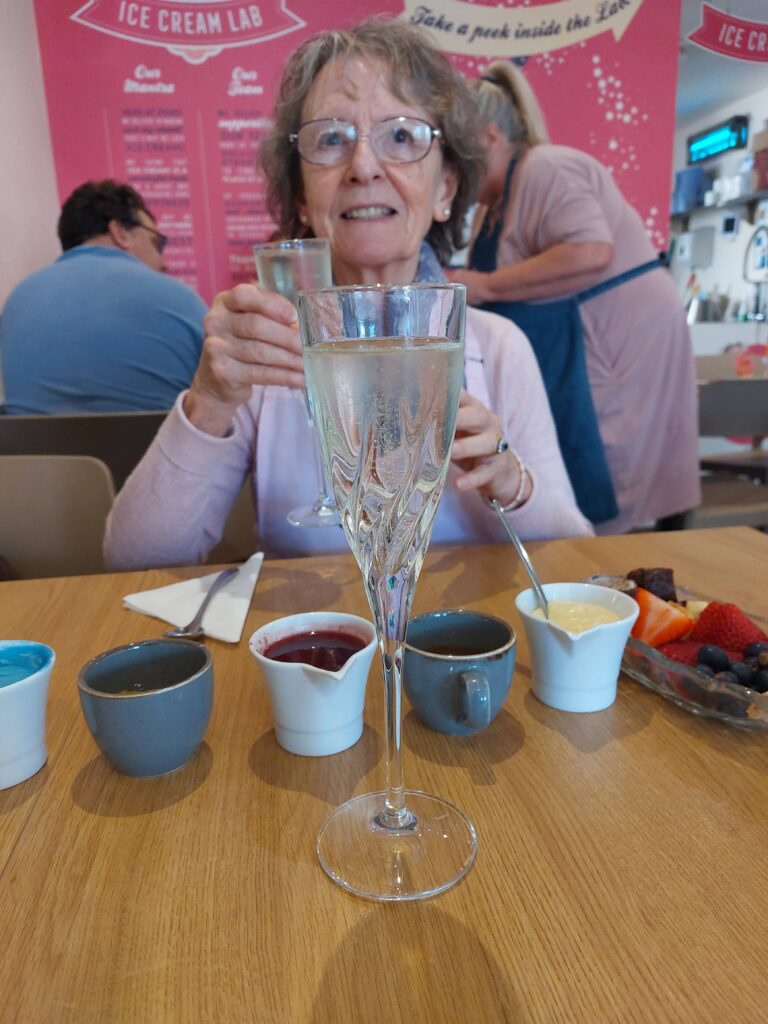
685, 651
726, 626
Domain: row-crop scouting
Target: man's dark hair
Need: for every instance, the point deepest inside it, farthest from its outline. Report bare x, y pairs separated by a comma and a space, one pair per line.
88, 211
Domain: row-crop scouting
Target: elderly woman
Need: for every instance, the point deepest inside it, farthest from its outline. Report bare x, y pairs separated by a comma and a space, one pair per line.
563, 254
373, 147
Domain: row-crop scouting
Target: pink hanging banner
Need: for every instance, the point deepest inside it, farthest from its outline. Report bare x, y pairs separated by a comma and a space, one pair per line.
175, 97
731, 36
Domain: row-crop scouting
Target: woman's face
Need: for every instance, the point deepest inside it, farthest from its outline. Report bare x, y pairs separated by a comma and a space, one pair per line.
375, 214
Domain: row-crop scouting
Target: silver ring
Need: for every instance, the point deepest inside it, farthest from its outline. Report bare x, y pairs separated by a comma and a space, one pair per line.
501, 445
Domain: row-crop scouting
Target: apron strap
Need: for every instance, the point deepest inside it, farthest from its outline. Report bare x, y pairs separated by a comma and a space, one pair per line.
614, 282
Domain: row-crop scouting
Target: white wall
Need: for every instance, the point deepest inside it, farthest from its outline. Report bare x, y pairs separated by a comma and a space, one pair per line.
726, 268
29, 207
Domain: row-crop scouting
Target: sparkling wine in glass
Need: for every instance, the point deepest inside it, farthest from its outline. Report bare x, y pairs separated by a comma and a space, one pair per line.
286, 267
384, 370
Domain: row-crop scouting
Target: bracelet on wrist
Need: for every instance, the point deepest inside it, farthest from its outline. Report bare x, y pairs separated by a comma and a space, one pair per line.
525, 476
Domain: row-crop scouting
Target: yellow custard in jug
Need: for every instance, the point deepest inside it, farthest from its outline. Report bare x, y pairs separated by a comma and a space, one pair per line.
577, 616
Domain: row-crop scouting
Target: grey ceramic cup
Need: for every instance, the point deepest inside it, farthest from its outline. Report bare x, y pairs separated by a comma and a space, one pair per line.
148, 704
458, 669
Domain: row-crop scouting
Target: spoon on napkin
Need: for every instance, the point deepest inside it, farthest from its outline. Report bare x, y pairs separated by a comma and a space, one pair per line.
194, 629
524, 558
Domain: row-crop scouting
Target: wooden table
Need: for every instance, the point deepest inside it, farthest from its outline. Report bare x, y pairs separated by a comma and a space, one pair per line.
621, 873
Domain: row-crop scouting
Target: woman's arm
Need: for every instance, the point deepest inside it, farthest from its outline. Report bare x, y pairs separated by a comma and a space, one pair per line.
173, 507
561, 270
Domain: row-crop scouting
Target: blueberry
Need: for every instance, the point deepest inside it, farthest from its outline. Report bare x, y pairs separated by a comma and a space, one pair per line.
757, 647
715, 657
726, 677
762, 659
760, 681
742, 672
706, 670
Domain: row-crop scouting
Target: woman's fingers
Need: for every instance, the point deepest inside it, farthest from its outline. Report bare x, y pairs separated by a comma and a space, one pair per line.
246, 315
477, 430
475, 452
249, 298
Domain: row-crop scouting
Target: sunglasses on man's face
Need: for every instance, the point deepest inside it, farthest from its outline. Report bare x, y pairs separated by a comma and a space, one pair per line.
159, 240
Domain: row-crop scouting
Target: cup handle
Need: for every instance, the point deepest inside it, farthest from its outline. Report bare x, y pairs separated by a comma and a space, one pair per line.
475, 699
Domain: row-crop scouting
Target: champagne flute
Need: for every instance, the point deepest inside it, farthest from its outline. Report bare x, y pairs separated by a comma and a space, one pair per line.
285, 267
384, 370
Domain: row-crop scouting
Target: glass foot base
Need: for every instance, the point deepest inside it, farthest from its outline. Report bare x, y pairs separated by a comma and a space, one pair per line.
322, 513
429, 853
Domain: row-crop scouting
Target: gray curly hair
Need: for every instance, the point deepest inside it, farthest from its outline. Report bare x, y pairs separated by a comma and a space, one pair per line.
418, 74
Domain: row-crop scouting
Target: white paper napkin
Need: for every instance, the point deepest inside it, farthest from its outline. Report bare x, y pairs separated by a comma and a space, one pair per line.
225, 615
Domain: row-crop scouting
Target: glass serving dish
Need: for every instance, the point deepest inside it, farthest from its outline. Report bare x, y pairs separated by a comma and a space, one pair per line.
700, 694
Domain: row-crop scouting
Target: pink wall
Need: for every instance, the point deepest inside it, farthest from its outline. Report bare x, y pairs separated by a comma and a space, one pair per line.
29, 204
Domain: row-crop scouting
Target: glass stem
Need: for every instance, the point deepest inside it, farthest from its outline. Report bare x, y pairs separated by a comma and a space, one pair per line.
323, 493
391, 600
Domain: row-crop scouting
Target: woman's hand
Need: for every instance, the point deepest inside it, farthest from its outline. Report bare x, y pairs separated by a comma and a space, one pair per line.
252, 337
476, 282
478, 431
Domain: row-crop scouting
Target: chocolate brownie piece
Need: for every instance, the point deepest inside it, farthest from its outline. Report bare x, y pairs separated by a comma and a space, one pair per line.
658, 581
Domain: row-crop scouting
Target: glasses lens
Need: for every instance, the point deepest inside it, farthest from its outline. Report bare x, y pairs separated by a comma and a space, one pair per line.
326, 142
401, 140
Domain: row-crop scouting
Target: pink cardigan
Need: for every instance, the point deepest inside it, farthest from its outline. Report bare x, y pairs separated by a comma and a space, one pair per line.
172, 508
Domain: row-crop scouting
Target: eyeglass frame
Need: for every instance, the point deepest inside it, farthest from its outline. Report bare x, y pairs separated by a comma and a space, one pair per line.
435, 133
162, 240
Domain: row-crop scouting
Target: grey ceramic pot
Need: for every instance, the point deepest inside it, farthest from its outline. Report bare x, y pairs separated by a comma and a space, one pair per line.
148, 704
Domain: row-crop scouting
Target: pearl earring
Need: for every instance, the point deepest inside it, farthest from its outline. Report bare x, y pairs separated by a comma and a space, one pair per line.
303, 218
447, 212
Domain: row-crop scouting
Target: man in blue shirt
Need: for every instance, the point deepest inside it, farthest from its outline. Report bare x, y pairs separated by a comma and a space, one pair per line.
103, 329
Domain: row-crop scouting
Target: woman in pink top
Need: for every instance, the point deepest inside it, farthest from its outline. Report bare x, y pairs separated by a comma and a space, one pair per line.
564, 256
371, 148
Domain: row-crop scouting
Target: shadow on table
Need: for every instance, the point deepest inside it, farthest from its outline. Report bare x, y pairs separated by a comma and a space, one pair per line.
332, 778
318, 591
590, 731
16, 796
472, 586
414, 962
100, 789
476, 754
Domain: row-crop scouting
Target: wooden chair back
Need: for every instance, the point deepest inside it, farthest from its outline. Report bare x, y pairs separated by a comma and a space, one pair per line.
119, 439
53, 510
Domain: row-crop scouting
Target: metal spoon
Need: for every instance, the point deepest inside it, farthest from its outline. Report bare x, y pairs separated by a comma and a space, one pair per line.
524, 558
194, 629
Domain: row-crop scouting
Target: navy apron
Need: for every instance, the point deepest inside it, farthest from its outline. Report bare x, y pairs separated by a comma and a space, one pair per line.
556, 335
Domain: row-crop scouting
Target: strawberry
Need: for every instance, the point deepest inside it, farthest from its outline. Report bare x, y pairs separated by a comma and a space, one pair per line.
685, 651
726, 626
659, 622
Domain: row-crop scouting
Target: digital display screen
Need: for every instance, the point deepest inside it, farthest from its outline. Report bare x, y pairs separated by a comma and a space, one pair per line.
721, 138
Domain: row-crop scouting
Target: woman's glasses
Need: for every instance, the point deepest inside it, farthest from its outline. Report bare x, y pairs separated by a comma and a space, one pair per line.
396, 140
